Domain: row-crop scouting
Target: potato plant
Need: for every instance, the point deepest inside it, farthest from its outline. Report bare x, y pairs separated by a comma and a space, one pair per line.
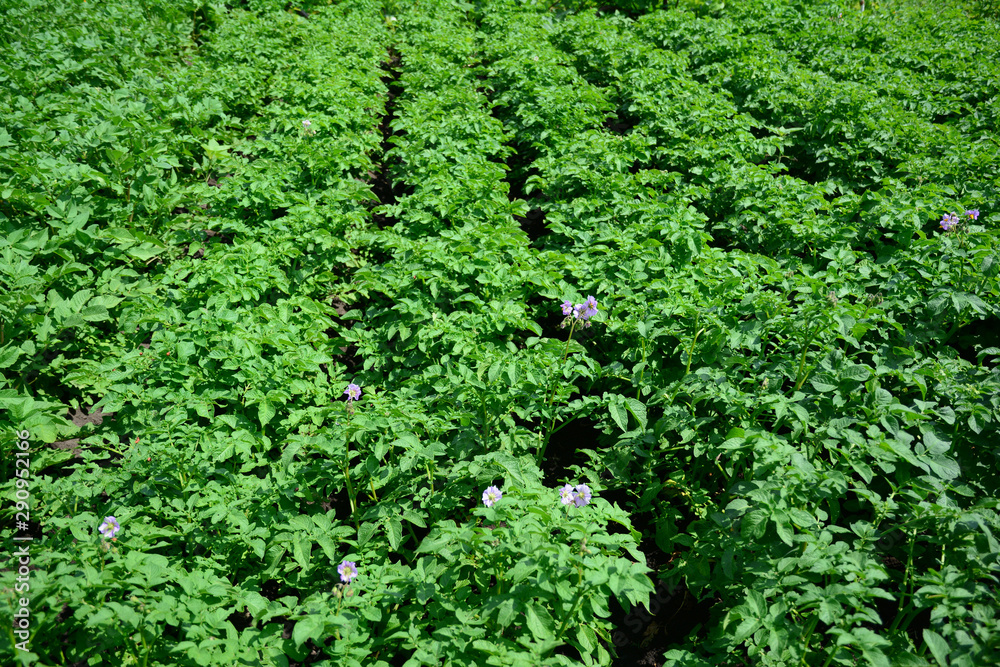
500, 333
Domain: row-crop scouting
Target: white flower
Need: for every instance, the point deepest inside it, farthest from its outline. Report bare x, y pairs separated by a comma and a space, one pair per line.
491, 495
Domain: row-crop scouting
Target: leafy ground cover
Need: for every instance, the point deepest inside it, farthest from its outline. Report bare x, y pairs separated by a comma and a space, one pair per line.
379, 333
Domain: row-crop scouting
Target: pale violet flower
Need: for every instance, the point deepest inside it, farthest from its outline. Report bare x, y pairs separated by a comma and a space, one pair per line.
353, 392
566, 494
491, 496
109, 528
306, 124
578, 495
582, 495
973, 213
348, 571
581, 311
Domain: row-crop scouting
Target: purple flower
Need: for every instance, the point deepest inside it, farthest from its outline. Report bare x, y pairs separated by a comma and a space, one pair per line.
306, 124
353, 392
566, 494
581, 311
348, 571
491, 495
973, 213
109, 528
582, 495
948, 221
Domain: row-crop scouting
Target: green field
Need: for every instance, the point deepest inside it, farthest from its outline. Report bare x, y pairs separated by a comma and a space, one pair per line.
387, 334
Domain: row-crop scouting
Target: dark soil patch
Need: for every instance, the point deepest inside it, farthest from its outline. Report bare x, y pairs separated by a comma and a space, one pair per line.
380, 180
565, 449
533, 224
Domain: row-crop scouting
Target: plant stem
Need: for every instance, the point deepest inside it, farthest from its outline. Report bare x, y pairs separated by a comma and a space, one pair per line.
486, 428
642, 373
697, 318
906, 576
805, 647
548, 433
148, 647
350, 495
800, 378
572, 608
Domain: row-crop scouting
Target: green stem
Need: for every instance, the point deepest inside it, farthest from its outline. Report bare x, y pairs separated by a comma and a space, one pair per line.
548, 403
909, 619
572, 608
147, 647
486, 428
350, 494
563, 425
954, 329
906, 577
697, 318
800, 378
719, 466
805, 646
642, 373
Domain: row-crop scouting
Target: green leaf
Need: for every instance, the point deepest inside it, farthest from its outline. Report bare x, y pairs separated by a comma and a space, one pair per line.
938, 646
94, 313
394, 527
493, 372
822, 387
737, 506
301, 551
265, 413
505, 614
619, 414
310, 627
144, 252
254, 602
539, 621
8, 355
856, 372
587, 638
746, 628
757, 604
863, 470
365, 533
784, 527
638, 411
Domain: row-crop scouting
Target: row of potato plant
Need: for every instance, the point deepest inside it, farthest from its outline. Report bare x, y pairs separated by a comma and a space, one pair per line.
443, 330
238, 197
778, 378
